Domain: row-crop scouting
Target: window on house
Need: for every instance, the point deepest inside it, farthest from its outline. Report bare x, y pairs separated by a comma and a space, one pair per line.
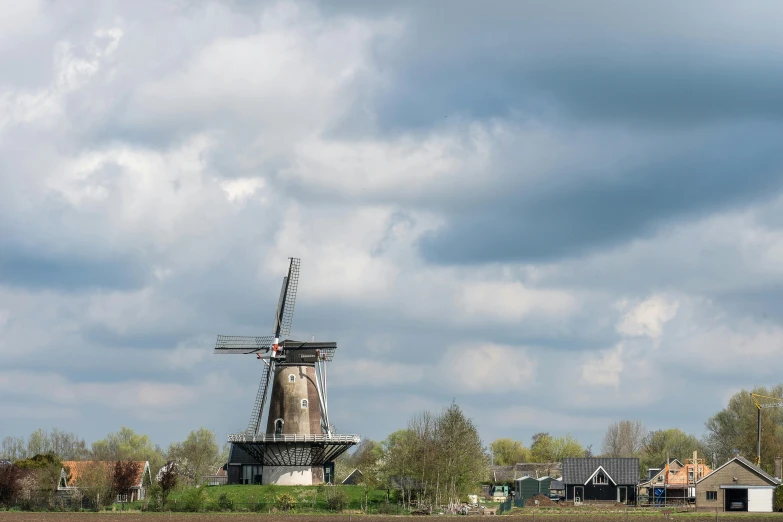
600, 478
712, 495
292, 378
660, 478
304, 403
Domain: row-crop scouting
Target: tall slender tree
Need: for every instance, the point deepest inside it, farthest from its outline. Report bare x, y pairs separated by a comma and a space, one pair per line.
624, 438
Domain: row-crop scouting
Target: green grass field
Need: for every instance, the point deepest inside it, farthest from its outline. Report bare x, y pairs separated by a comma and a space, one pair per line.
305, 497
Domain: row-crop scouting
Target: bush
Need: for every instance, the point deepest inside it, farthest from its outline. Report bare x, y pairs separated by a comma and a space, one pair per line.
193, 500
154, 498
335, 497
225, 503
284, 502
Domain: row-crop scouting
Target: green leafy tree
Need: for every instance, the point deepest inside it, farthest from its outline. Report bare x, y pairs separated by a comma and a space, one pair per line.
546, 448
441, 457
735, 428
507, 452
46, 469
126, 444
541, 448
197, 455
672, 442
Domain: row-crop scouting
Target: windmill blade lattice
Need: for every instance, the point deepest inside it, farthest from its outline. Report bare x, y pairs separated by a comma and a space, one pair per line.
285, 312
243, 344
254, 425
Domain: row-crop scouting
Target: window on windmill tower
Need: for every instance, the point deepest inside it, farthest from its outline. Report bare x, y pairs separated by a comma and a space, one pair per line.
304, 403
292, 378
279, 427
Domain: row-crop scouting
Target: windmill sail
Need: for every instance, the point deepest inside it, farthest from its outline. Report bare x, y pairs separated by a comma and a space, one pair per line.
243, 344
258, 406
285, 305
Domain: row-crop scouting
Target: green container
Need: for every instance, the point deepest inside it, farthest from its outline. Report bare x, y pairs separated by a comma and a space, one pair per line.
528, 487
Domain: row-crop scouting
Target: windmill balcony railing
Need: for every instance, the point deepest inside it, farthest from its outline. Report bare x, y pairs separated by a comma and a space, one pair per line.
271, 437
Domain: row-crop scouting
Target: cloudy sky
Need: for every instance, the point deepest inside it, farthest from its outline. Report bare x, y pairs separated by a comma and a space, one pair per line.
560, 214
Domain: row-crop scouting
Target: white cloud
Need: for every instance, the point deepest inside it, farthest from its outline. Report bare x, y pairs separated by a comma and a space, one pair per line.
534, 419
512, 301
134, 395
483, 367
238, 190
647, 318
369, 373
605, 369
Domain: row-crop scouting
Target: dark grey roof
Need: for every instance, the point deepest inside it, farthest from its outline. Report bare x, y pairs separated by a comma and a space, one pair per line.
623, 471
239, 456
538, 469
355, 477
556, 485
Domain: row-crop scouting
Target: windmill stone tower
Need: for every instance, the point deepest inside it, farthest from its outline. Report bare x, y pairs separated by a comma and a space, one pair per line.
299, 445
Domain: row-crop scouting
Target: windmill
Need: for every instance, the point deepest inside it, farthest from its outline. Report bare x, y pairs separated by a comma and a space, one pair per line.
298, 446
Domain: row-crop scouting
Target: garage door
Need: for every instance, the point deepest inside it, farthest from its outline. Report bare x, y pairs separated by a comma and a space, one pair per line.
760, 500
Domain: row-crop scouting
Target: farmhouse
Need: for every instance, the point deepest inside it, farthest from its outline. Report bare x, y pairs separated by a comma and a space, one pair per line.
76, 474
738, 485
601, 479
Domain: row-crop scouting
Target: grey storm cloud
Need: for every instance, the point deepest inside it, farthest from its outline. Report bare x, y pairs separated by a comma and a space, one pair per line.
733, 169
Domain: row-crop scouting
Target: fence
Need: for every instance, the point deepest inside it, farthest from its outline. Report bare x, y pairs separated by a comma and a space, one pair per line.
511, 502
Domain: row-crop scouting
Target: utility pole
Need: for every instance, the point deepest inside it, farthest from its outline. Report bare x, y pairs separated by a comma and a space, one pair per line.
757, 401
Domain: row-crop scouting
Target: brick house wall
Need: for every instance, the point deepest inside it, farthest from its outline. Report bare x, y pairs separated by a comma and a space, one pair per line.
725, 476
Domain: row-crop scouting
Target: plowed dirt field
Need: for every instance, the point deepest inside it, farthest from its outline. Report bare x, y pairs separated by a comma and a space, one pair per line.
242, 517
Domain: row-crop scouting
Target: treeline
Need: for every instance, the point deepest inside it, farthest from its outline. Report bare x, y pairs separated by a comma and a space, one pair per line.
198, 455
731, 430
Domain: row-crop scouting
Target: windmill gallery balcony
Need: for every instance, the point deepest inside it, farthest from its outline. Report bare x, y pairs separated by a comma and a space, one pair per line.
294, 450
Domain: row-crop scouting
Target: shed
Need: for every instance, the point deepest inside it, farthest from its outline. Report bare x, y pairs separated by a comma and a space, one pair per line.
527, 487
355, 477
737, 485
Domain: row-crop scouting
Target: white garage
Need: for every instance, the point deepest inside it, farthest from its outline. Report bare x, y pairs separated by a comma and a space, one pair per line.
760, 499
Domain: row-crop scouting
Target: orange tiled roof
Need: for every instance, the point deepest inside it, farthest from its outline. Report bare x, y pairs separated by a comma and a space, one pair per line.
77, 467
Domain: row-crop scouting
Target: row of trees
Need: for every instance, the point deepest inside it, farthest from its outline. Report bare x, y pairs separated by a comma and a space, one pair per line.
198, 455
731, 430
543, 448
443, 453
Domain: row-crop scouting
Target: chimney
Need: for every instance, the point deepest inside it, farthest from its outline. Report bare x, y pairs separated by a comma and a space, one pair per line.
778, 467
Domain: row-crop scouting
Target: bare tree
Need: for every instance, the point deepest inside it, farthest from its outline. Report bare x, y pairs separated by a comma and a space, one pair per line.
624, 439
168, 481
